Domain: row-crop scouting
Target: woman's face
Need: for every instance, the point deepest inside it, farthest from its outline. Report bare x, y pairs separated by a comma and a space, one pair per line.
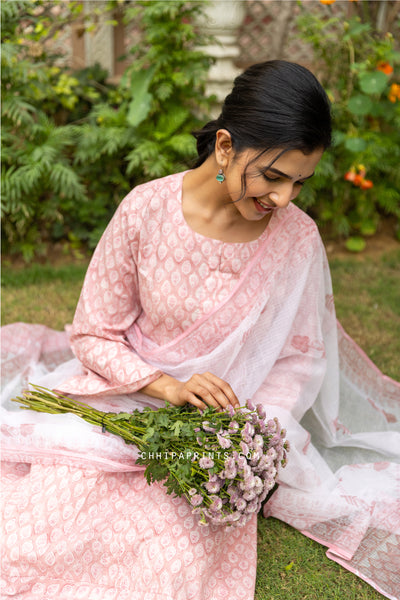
271, 181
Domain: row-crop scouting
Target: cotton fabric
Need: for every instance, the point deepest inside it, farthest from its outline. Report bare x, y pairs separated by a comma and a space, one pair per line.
159, 297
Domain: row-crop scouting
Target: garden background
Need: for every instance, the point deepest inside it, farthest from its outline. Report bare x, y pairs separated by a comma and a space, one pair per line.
76, 141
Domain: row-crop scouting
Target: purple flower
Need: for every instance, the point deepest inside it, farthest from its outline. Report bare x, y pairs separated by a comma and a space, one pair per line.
244, 447
230, 473
196, 500
198, 440
275, 440
248, 429
250, 405
271, 426
212, 487
249, 495
261, 427
241, 504
260, 411
272, 454
255, 457
192, 491
223, 441
234, 425
241, 462
216, 503
206, 427
258, 441
253, 506
206, 462
258, 484
233, 492
231, 410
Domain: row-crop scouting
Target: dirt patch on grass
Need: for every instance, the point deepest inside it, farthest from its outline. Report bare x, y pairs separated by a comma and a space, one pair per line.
383, 241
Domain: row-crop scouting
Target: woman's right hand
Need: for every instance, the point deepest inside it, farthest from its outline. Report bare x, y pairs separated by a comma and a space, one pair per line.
201, 390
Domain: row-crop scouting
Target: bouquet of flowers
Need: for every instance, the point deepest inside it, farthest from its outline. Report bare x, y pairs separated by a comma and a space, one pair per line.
224, 463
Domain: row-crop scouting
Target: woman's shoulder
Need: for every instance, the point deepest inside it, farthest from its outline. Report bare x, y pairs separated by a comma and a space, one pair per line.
299, 222
159, 189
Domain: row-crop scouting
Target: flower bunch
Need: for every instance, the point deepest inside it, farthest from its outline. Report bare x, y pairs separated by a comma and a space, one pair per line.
224, 463
357, 176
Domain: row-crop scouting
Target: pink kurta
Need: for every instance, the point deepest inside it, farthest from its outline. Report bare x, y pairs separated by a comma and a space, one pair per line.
158, 297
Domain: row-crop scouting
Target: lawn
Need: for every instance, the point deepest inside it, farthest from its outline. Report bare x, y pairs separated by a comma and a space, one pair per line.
367, 302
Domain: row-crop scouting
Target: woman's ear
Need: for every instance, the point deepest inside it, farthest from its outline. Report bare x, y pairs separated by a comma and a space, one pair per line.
223, 147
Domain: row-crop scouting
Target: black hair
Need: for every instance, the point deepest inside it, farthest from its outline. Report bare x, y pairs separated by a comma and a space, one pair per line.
274, 104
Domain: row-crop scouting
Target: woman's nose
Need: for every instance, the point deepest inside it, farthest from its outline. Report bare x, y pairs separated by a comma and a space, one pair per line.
282, 198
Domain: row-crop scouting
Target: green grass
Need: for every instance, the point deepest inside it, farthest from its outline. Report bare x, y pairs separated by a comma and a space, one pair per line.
290, 566
367, 297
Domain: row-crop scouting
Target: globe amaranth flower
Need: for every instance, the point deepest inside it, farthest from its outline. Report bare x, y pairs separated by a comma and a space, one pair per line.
206, 462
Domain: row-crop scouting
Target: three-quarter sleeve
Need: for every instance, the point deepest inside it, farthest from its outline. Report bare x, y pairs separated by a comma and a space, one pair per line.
109, 304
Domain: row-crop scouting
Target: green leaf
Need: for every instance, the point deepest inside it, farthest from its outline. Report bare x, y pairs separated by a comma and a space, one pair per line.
149, 433
355, 244
355, 144
140, 105
120, 417
373, 83
360, 105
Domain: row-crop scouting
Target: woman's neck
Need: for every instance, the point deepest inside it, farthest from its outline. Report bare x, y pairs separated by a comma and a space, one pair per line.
209, 210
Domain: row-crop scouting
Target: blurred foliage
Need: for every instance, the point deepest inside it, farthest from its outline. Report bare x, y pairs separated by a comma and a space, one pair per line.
74, 145
358, 180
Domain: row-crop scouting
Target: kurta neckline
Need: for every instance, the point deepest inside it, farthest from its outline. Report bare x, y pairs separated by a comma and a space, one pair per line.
201, 237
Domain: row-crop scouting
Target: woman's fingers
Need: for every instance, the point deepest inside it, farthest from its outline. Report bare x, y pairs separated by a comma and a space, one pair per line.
209, 389
225, 389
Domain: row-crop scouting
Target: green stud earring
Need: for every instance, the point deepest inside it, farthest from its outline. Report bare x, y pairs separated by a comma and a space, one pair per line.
220, 176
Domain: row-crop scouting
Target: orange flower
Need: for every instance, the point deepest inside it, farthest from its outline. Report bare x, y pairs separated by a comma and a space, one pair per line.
366, 184
385, 67
350, 175
394, 92
327, 1
358, 180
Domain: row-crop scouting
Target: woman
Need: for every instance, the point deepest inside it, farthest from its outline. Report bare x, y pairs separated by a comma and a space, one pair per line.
208, 287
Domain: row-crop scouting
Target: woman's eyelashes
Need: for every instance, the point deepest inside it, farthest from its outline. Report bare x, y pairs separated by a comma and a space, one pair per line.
269, 178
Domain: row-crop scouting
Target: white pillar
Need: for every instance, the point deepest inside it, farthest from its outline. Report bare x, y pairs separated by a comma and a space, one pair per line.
222, 20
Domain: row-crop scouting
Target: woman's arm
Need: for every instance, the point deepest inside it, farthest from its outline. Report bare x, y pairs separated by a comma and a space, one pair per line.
109, 304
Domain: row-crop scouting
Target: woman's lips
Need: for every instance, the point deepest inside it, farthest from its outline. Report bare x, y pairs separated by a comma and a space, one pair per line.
263, 208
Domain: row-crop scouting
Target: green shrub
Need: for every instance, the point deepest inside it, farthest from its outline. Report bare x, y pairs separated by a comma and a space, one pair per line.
358, 180
73, 146
144, 129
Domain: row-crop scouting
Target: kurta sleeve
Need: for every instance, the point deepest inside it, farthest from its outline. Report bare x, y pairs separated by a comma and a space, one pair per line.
109, 304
